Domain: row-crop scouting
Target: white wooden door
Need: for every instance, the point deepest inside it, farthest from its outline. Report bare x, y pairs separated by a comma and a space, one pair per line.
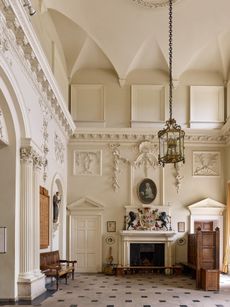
86, 243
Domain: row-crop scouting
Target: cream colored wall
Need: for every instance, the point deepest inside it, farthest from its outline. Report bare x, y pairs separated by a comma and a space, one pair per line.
99, 188
49, 40
117, 115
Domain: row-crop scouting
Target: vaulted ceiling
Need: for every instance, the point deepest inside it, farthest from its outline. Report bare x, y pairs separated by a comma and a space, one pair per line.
128, 35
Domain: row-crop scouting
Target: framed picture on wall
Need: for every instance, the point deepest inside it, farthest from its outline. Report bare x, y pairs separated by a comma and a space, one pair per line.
146, 191
181, 226
111, 226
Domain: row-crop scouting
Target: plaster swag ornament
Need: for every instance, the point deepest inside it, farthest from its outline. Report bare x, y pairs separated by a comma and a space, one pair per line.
178, 176
147, 156
116, 164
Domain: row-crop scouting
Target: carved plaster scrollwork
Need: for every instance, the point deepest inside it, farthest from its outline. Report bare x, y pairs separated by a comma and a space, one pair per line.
117, 158
59, 149
147, 156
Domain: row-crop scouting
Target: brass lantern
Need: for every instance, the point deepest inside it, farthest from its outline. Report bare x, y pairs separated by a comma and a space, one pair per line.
171, 138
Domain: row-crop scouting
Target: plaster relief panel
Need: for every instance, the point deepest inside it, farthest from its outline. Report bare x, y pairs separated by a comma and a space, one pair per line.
206, 163
87, 163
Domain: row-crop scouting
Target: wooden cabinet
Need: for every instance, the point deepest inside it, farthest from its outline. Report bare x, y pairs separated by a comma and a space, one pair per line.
210, 279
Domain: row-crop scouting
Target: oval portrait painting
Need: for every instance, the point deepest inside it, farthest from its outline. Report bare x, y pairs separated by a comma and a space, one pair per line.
147, 191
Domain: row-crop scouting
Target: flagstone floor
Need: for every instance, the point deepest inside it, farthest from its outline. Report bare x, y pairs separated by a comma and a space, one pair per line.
134, 290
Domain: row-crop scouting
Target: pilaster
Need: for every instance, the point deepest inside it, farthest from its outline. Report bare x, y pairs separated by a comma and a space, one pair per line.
36, 214
31, 283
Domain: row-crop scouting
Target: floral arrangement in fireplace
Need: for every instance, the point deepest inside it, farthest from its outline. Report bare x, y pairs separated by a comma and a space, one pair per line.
148, 219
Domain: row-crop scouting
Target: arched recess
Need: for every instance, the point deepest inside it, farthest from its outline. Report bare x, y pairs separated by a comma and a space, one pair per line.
58, 230
17, 125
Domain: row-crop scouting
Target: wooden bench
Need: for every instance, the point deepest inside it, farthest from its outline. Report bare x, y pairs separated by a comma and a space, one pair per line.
52, 266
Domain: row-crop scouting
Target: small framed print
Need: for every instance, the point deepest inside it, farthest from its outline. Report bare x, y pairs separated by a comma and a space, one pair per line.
111, 226
181, 226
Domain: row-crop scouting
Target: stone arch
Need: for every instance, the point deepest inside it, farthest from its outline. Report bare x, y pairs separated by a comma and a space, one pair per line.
17, 126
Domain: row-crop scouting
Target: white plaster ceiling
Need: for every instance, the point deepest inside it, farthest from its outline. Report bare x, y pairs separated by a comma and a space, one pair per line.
124, 36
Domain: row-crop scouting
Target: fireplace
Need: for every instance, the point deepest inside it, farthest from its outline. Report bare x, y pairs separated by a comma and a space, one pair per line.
155, 247
147, 254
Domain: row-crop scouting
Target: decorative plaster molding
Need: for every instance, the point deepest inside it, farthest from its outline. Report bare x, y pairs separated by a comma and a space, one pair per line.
87, 162
147, 156
45, 135
116, 164
29, 155
153, 3
17, 34
126, 135
226, 131
178, 176
59, 149
206, 163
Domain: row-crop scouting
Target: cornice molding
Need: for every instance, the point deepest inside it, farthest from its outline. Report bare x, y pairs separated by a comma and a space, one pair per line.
20, 35
126, 135
225, 131
153, 3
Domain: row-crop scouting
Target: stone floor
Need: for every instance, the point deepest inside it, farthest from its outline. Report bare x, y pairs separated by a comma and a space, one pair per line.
137, 290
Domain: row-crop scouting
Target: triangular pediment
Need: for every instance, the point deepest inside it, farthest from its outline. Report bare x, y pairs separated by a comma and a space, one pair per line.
85, 203
206, 205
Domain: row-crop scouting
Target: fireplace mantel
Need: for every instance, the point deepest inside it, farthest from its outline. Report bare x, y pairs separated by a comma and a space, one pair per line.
148, 234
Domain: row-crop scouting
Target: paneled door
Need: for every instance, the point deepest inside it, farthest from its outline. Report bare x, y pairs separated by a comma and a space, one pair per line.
86, 243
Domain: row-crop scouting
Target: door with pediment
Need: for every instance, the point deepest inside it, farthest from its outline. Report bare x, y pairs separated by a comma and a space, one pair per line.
85, 242
85, 222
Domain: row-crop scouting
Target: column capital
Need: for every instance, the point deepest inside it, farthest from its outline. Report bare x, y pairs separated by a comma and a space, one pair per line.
28, 154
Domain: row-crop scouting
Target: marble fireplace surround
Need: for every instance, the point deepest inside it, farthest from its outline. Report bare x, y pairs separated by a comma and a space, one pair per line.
146, 236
